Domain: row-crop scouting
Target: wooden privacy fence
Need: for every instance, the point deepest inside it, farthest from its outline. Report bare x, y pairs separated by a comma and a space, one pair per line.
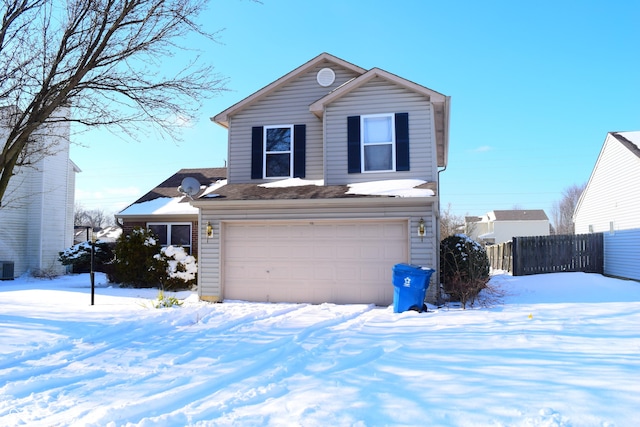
500, 256
549, 254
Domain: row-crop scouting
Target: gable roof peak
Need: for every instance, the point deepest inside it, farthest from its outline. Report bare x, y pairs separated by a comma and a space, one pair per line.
223, 117
631, 140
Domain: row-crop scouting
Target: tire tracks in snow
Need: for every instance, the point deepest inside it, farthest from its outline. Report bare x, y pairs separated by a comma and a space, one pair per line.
281, 345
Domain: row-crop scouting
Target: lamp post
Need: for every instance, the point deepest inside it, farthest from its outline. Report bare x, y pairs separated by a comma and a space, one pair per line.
91, 273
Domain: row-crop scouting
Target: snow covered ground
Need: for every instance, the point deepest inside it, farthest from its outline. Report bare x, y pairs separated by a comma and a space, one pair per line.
562, 350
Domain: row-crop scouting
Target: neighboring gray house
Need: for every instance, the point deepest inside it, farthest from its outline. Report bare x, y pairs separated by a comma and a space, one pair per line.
332, 180
500, 226
610, 203
36, 216
167, 212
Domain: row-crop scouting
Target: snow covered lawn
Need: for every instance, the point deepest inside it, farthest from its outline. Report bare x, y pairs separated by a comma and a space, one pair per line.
563, 350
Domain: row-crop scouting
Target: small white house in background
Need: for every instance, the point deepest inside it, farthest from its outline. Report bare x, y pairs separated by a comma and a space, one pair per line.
500, 226
611, 204
36, 216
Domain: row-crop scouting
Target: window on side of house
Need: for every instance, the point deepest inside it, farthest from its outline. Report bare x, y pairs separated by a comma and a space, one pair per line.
278, 151
378, 143
175, 234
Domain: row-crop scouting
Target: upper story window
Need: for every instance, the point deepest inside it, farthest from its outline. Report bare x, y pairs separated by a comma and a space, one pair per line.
175, 234
278, 151
378, 143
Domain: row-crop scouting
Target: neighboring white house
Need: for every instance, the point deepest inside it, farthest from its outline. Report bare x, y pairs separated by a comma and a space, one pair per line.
610, 204
36, 216
500, 226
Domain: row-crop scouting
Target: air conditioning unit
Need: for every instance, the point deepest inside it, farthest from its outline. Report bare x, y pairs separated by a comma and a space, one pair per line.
6, 270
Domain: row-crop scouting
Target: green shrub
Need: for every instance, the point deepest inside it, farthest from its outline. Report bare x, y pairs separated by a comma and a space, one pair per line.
464, 268
165, 301
79, 257
135, 264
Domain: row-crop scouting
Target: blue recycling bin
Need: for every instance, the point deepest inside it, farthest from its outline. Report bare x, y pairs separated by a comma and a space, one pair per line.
410, 283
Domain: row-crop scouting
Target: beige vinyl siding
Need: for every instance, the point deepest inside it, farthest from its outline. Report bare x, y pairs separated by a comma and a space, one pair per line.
286, 105
610, 195
420, 252
376, 97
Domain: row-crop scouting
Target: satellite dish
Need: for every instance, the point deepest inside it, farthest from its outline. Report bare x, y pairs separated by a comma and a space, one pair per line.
189, 186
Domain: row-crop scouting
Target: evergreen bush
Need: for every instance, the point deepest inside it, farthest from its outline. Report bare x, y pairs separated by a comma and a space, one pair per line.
135, 263
464, 268
79, 257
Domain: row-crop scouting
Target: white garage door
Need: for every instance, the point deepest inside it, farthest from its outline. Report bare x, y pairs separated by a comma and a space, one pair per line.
313, 261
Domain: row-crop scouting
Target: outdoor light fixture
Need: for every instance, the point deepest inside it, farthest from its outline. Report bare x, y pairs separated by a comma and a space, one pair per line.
421, 229
209, 229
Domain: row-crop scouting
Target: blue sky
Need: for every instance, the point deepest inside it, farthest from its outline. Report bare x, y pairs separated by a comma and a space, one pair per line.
534, 86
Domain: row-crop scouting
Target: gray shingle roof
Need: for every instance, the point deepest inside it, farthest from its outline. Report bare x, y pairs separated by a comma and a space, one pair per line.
256, 192
169, 187
520, 215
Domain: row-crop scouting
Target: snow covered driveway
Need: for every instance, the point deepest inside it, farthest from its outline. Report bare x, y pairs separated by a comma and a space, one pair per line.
563, 350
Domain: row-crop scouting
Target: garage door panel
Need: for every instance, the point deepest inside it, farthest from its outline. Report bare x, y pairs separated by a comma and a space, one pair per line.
313, 261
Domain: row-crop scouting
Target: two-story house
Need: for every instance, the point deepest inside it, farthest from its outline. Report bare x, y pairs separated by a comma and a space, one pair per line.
332, 180
500, 226
36, 216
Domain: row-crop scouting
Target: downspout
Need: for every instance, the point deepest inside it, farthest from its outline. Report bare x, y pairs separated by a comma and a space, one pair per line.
42, 209
438, 300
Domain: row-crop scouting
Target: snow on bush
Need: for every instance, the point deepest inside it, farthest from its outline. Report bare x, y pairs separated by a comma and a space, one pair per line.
142, 262
181, 268
135, 264
464, 268
79, 256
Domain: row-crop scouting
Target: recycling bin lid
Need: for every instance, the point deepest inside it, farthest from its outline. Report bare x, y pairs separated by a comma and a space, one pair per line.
412, 268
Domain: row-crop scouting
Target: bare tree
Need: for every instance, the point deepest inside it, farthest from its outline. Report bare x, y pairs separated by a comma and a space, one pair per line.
106, 59
94, 218
562, 210
450, 224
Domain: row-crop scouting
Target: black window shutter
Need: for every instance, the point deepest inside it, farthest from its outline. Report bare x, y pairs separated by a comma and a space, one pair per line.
299, 150
353, 144
402, 141
256, 152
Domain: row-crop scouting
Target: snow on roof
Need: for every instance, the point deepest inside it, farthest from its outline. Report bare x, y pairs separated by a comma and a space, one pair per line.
292, 182
208, 192
633, 137
109, 234
161, 206
395, 187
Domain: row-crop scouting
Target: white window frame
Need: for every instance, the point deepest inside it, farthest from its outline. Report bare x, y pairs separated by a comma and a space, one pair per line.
266, 153
169, 225
392, 142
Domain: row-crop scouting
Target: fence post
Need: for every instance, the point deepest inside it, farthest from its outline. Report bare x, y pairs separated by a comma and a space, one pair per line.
514, 256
